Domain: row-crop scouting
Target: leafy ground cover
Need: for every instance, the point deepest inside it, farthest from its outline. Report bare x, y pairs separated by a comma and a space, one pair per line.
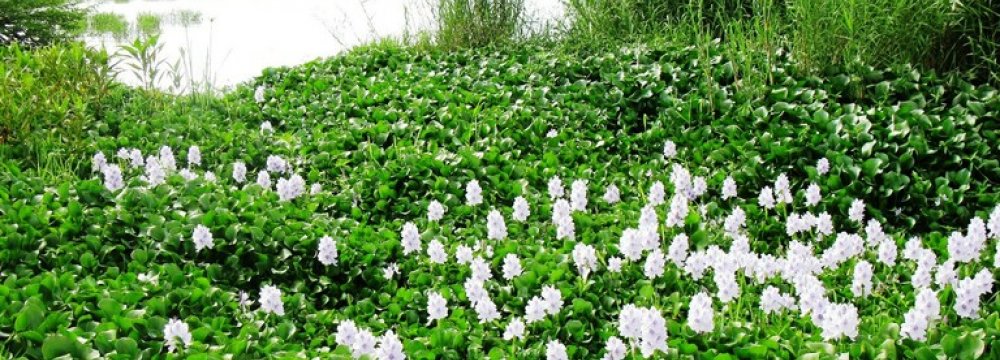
519, 203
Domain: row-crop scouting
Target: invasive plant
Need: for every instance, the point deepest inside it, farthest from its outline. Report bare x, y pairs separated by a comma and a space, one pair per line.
39, 22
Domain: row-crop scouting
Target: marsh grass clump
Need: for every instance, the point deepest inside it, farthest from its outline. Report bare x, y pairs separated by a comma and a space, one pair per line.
105, 23
476, 23
148, 24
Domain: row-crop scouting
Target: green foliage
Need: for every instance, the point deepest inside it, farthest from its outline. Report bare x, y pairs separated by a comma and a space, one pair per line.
475, 23
148, 24
39, 22
49, 98
109, 23
386, 129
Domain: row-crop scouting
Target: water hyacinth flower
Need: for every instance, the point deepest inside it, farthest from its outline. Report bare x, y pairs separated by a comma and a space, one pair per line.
315, 189
258, 94
535, 309
389, 347
861, 285
698, 187
435, 250
188, 175
556, 188
565, 228
291, 188
766, 198
813, 195
728, 188
410, 238
657, 193
578, 195
113, 177
327, 251
969, 290
347, 332
209, 176
839, 320
99, 162
701, 317
495, 226
654, 265
473, 193
822, 166
521, 211
240, 172
585, 259
176, 333
782, 189
437, 306
364, 344
615, 349
390, 270
511, 266
463, 254
276, 164
644, 327
264, 179
669, 149
435, 211
514, 329
155, 174
857, 211
773, 301
270, 300
486, 310
553, 299
166, 158
611, 194
266, 128
678, 211
994, 223
202, 238
480, 269
555, 350
194, 156
552, 133
615, 264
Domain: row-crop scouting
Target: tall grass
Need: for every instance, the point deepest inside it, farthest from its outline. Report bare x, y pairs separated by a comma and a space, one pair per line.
475, 23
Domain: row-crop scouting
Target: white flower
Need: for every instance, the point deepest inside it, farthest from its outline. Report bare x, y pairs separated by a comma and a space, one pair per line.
167, 159
555, 350
245, 300
994, 223
480, 269
188, 175
155, 174
766, 198
701, 317
270, 301
698, 187
585, 259
239, 172
678, 211
928, 304
823, 166
565, 228
615, 348
315, 189
99, 162
813, 195
515, 329
969, 290
914, 325
202, 238
736, 220
264, 179
611, 194
839, 320
410, 238
669, 149
194, 156
276, 164
390, 270
861, 285
535, 309
265, 127
857, 211
327, 251
725, 281
364, 344
657, 193
511, 266
347, 332
615, 264
495, 226
113, 177
463, 254
258, 94
473, 193
556, 188
645, 326
654, 265
772, 301
824, 224
521, 211
552, 133
578, 195
553, 299
435, 211
887, 252
437, 306
782, 189
389, 347
486, 310
678, 250
291, 188
728, 188
435, 250
209, 176
134, 156
149, 277
176, 332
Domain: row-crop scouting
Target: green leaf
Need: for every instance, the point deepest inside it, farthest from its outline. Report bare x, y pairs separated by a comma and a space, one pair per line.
58, 345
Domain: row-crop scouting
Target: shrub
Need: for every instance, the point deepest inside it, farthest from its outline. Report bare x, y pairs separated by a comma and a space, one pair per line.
39, 22
474, 23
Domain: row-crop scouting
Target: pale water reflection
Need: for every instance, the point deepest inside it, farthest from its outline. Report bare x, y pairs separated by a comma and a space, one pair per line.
236, 39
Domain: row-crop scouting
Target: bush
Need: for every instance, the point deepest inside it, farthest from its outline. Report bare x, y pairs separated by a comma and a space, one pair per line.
39, 22
475, 23
48, 98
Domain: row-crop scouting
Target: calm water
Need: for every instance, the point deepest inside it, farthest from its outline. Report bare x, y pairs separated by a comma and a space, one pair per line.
236, 39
